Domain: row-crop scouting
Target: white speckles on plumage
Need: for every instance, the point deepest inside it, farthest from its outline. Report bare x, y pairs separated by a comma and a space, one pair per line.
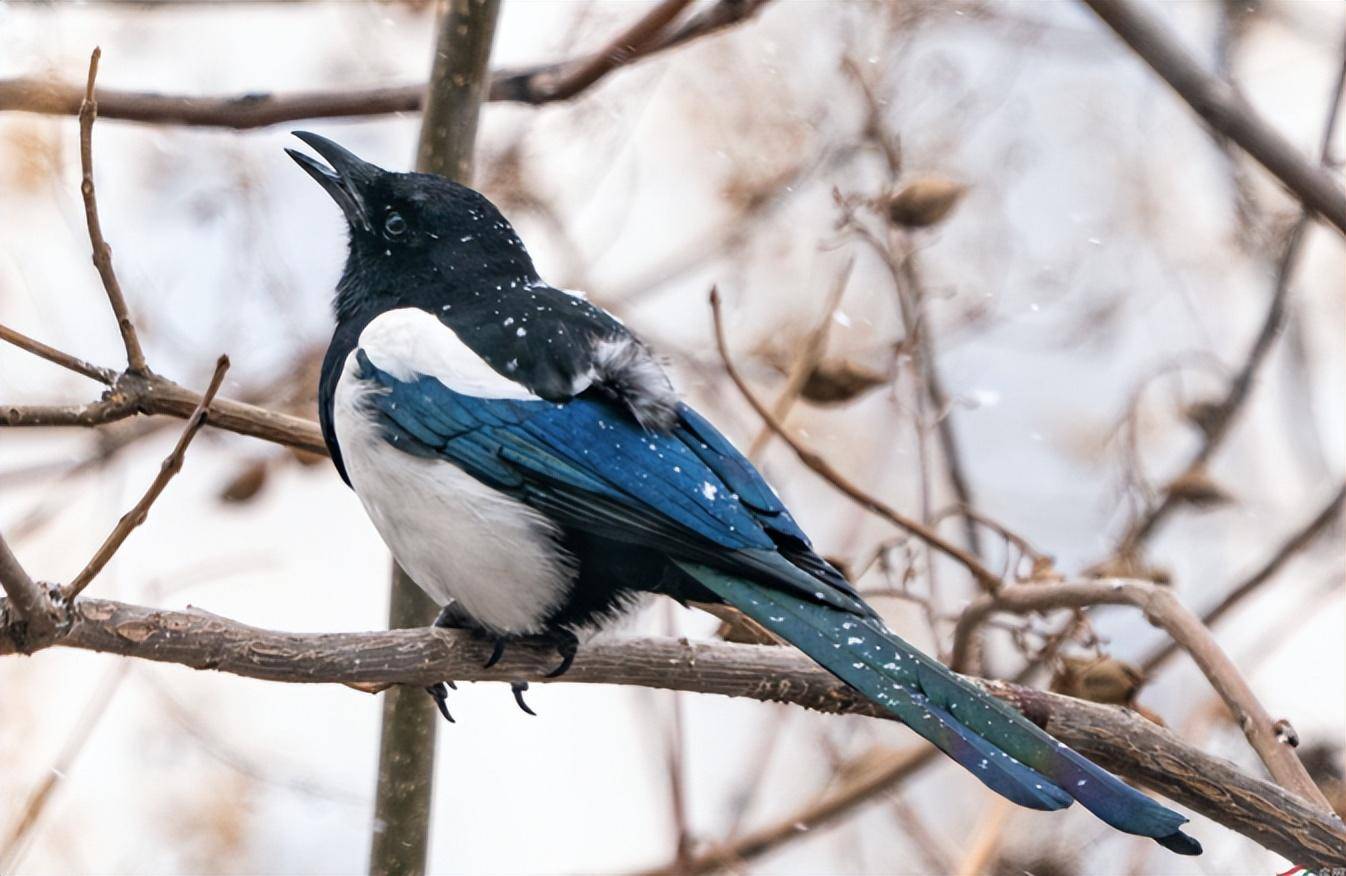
709, 490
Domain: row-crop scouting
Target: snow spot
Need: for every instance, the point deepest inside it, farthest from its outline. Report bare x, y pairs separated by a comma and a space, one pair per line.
709, 490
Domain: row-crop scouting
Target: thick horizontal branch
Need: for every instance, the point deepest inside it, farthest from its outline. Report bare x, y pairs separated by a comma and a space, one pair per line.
535, 85
1116, 738
1220, 106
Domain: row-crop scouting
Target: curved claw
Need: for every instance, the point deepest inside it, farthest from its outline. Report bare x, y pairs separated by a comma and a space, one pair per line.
496, 653
441, 697
566, 646
519, 687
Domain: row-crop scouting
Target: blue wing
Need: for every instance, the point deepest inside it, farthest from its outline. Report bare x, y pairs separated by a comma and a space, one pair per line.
587, 464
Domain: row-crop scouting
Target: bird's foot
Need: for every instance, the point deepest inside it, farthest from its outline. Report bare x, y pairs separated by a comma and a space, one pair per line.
566, 645
518, 687
440, 692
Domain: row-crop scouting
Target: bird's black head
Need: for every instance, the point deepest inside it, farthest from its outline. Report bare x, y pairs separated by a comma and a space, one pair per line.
415, 238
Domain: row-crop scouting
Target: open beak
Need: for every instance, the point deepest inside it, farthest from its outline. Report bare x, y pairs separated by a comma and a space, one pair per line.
345, 178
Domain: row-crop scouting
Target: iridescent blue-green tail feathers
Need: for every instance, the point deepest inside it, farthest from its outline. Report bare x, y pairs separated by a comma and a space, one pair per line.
998, 745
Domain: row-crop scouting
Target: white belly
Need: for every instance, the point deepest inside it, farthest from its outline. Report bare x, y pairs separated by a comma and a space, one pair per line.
459, 539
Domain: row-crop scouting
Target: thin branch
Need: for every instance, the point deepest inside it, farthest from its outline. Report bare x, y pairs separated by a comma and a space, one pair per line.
102, 253
154, 394
1292, 546
172, 464
1162, 609
51, 354
11, 850
1220, 106
629, 44
28, 602
1114, 737
818, 464
805, 363
1222, 414
261, 109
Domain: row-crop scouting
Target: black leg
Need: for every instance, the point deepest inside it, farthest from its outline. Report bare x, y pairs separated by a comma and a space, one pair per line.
519, 687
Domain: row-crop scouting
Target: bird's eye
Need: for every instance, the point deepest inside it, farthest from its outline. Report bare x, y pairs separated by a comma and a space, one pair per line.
395, 225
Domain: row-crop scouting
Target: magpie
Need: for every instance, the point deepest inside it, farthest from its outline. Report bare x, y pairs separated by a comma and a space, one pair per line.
530, 465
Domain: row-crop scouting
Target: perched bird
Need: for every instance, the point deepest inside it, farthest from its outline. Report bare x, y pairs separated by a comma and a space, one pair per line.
529, 464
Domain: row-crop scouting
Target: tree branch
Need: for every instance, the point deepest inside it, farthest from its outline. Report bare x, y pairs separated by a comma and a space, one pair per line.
1292, 546
988, 579
1220, 106
136, 516
261, 109
1220, 416
1117, 739
102, 253
30, 616
1162, 609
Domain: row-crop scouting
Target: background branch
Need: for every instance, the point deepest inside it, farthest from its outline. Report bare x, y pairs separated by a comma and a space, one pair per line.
260, 109
1221, 107
1163, 609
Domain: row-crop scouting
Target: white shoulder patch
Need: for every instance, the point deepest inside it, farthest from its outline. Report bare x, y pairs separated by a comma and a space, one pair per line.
409, 342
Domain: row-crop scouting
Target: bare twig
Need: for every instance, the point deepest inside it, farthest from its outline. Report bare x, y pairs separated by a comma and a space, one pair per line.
102, 253
260, 109
171, 465
51, 354
1221, 415
1163, 609
807, 360
1115, 738
984, 844
631, 43
1292, 546
1220, 106
884, 773
13, 846
133, 395
29, 603
821, 466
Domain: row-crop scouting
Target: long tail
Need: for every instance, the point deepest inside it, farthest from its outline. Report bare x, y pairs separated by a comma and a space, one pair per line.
998, 745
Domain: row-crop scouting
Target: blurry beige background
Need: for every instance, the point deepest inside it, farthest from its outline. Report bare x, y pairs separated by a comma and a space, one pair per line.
1100, 243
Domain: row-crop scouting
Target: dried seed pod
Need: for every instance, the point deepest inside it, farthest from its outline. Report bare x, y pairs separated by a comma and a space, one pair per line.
245, 485
1195, 487
1100, 680
924, 202
1204, 415
835, 382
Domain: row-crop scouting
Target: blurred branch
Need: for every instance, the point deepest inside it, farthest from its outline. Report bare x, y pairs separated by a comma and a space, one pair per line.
171, 465
1220, 106
1292, 546
1117, 739
809, 356
13, 846
102, 253
569, 80
1217, 417
536, 85
1162, 609
988, 579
